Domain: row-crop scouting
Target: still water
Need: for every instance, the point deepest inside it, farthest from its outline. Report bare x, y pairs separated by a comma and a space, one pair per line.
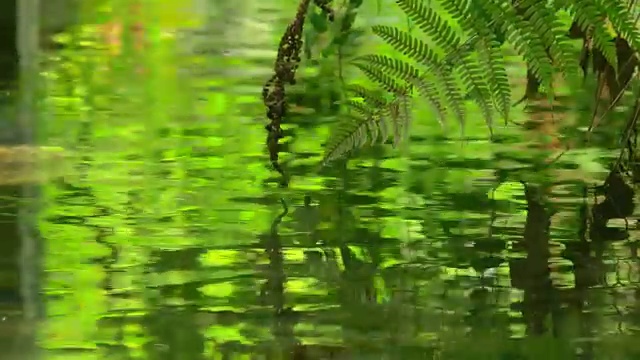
163, 233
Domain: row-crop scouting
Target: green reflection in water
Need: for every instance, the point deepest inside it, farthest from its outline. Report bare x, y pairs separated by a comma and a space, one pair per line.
160, 231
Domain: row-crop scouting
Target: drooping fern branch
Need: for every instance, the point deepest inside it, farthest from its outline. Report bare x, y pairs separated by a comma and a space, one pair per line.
373, 112
473, 67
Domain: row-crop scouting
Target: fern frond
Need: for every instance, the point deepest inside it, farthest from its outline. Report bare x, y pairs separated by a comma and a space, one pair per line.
379, 76
407, 44
442, 91
400, 117
371, 98
478, 88
485, 76
623, 21
493, 63
473, 66
360, 107
592, 19
459, 10
430, 92
396, 67
354, 132
431, 23
451, 91
553, 35
420, 52
381, 70
412, 77
524, 38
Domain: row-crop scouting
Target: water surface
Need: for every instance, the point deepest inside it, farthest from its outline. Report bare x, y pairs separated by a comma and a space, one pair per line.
166, 236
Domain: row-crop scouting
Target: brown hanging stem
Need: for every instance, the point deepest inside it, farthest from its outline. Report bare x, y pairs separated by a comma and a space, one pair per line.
284, 71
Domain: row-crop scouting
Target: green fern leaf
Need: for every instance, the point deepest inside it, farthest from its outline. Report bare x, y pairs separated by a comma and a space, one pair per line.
372, 98
411, 76
407, 44
523, 37
431, 23
553, 35
354, 132
622, 20
496, 74
485, 76
591, 19
380, 77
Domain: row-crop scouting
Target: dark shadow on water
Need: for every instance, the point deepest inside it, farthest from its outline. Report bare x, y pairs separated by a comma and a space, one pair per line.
17, 334
19, 276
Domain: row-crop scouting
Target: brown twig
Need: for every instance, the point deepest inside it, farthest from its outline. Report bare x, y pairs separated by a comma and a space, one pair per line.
284, 71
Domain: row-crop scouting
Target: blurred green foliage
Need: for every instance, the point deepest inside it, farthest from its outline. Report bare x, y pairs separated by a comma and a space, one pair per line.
161, 240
